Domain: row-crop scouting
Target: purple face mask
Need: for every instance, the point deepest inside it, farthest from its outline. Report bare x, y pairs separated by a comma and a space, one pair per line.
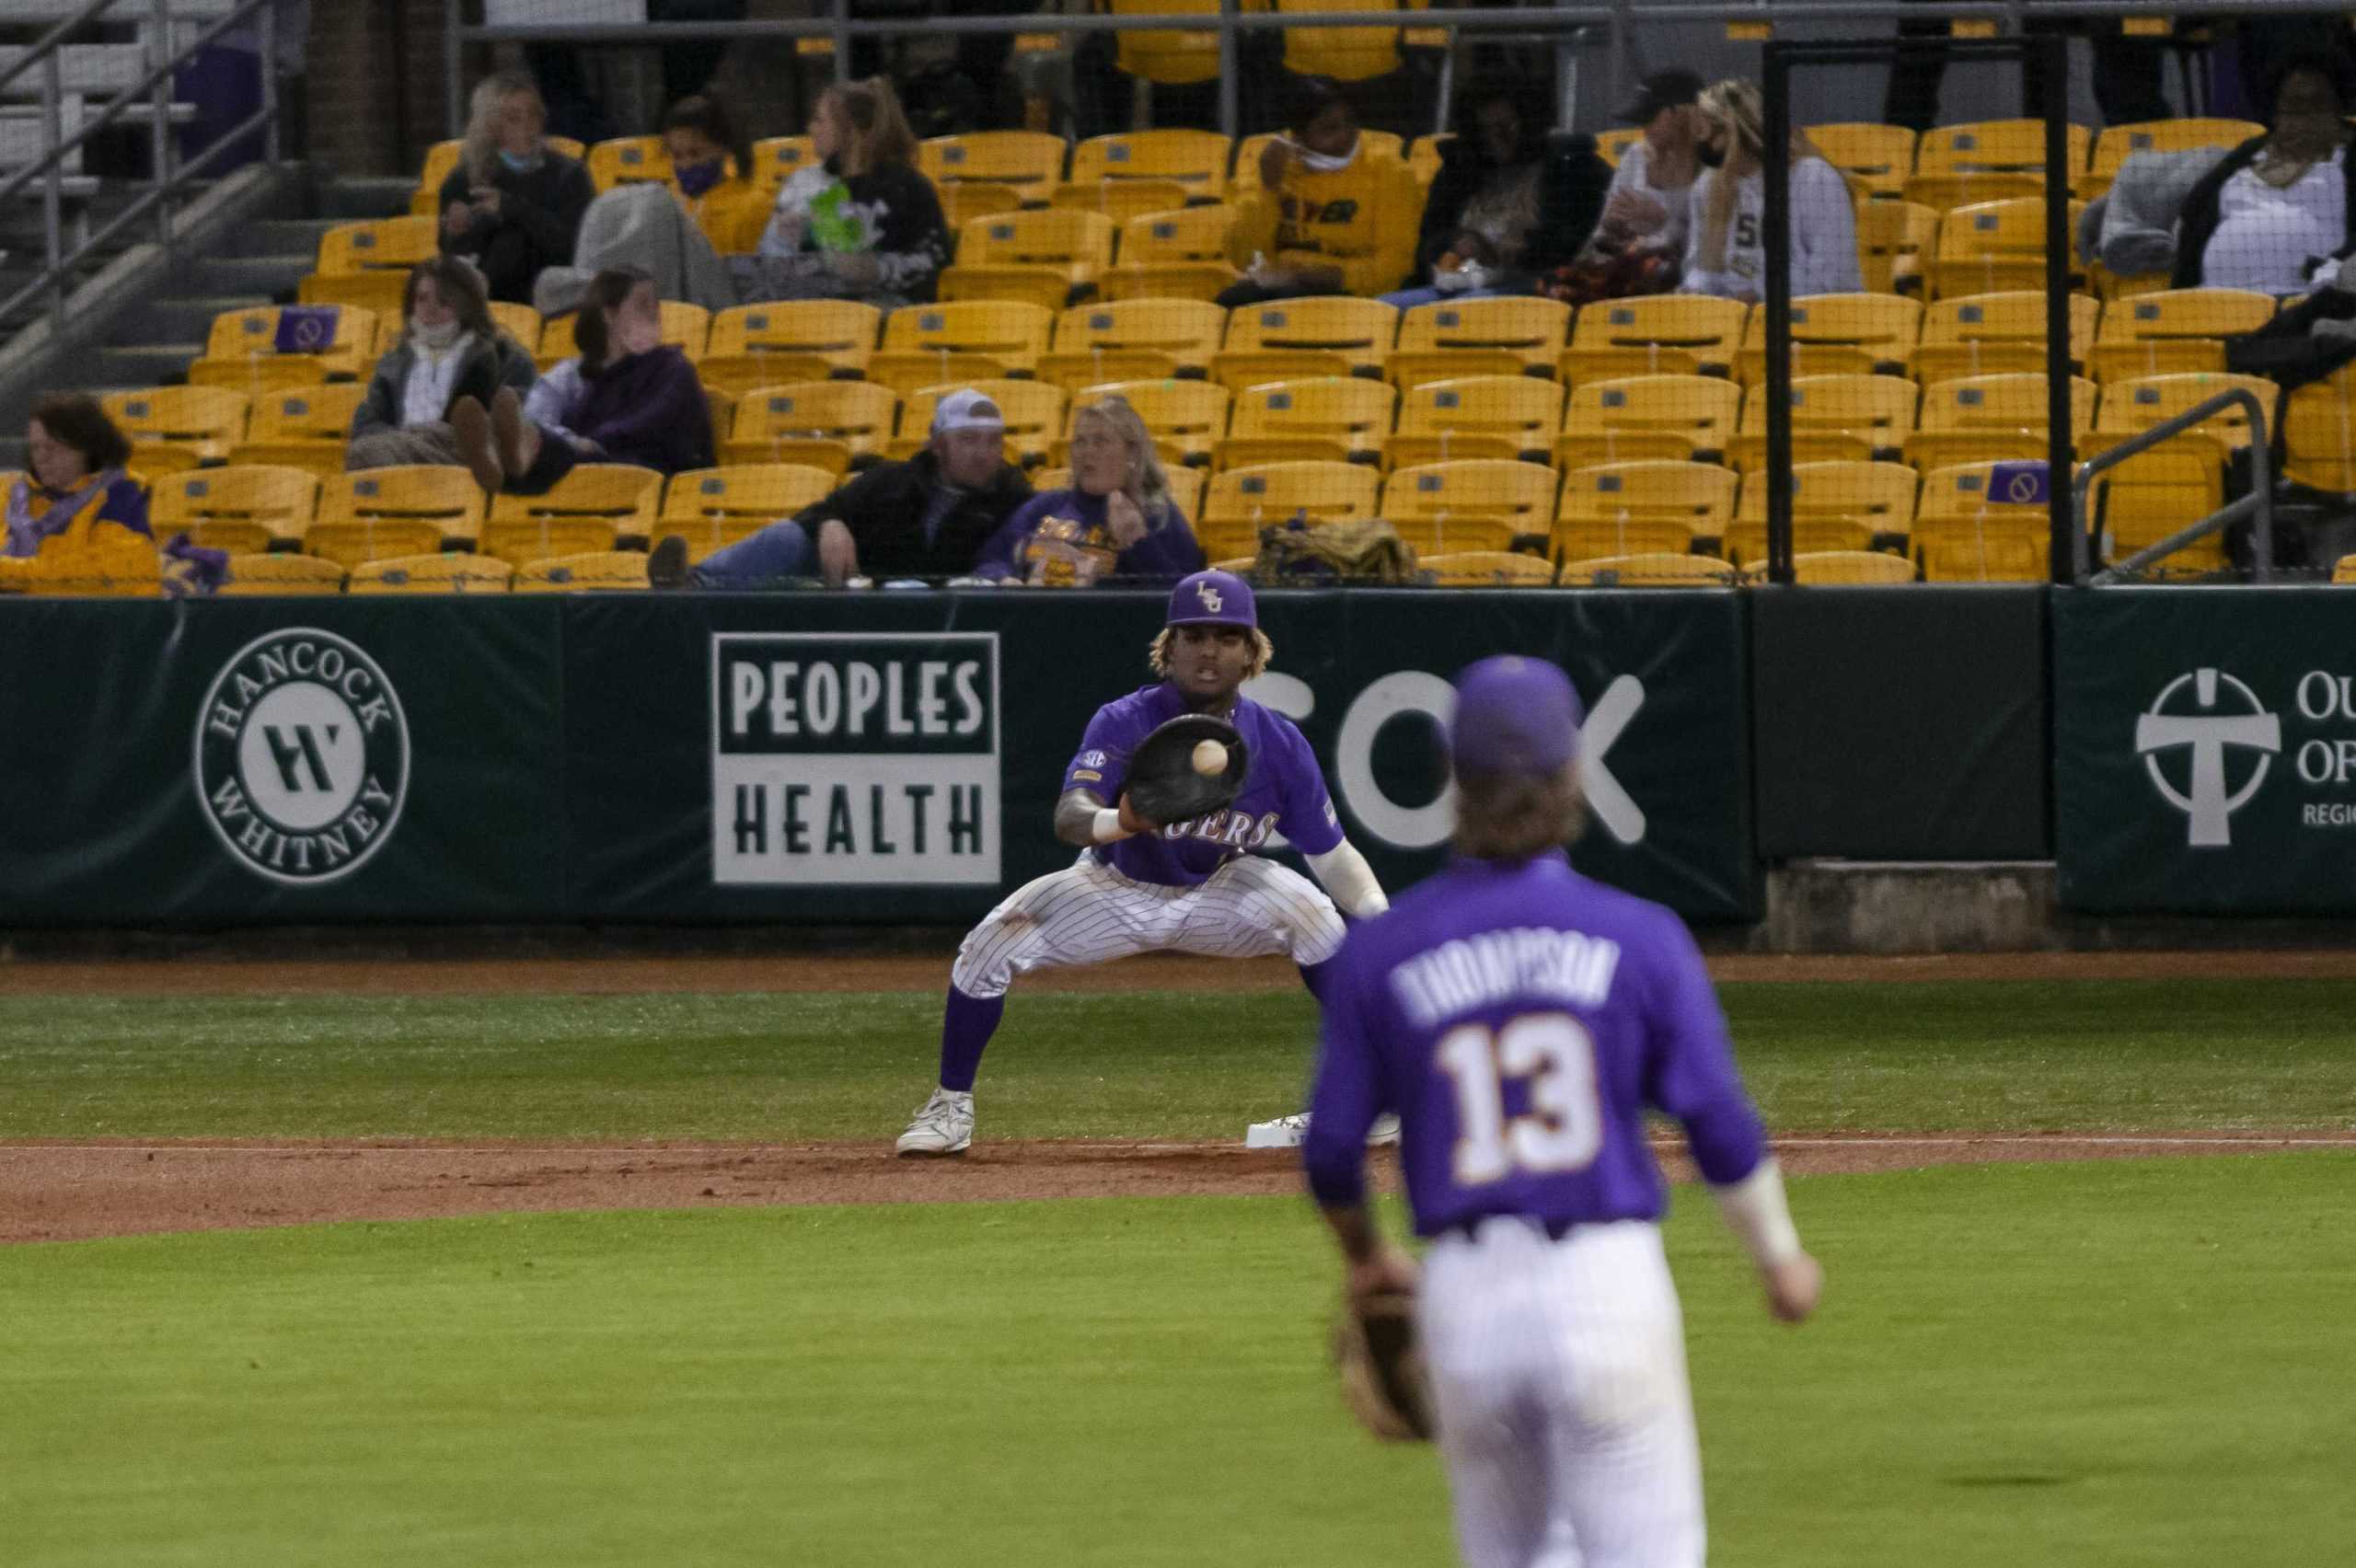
697, 177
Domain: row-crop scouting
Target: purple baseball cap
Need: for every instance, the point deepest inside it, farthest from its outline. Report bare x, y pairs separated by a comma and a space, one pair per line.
1514, 716
1212, 598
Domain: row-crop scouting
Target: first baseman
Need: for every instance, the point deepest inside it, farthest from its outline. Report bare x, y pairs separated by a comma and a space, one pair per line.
1521, 1018
1194, 886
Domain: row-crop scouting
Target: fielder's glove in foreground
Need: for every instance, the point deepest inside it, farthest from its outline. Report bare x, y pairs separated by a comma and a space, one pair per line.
1381, 1364
1164, 785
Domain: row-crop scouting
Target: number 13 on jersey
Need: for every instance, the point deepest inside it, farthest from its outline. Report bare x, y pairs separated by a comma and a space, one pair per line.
1563, 1129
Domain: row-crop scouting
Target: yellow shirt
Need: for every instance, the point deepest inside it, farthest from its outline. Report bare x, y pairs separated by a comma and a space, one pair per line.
733, 215
1364, 219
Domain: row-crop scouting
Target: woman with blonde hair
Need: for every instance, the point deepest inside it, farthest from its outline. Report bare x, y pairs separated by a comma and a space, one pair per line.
1115, 519
860, 221
1725, 238
513, 205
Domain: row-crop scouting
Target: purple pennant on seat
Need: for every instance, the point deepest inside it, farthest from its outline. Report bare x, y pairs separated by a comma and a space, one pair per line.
306, 329
2018, 483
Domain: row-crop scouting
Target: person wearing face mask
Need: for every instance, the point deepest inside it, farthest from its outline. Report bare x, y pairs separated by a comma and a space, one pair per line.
926, 517
2280, 203
449, 351
1649, 203
711, 165
1725, 250
1332, 215
628, 398
513, 205
1115, 519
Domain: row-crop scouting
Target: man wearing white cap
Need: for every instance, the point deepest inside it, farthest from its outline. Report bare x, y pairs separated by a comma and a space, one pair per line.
927, 517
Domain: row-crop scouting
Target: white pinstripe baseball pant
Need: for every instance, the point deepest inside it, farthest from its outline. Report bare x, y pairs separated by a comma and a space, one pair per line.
1565, 1421
1090, 913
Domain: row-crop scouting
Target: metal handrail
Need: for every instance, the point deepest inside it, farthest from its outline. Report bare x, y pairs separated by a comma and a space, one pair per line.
50, 41
2258, 504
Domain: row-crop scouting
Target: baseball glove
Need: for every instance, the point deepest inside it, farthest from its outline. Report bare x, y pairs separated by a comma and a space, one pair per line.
1381, 1364
1164, 785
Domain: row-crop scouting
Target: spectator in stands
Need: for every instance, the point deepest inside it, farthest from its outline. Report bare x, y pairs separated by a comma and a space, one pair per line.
77, 521
927, 517
628, 398
449, 350
1725, 252
2280, 203
1116, 519
712, 174
1331, 217
514, 204
860, 221
1650, 204
1486, 201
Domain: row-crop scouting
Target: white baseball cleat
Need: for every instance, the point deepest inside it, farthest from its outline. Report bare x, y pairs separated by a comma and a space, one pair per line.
1289, 1132
943, 1126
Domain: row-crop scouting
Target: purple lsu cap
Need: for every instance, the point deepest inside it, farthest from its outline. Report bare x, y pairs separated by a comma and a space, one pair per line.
1212, 598
1514, 716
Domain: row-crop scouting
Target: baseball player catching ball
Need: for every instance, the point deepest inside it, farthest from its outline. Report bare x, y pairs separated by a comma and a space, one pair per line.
1154, 872
1521, 1019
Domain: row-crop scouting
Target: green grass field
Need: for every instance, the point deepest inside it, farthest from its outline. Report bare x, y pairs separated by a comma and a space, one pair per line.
2130, 1363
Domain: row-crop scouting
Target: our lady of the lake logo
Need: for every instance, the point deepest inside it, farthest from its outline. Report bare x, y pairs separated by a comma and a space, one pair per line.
302, 757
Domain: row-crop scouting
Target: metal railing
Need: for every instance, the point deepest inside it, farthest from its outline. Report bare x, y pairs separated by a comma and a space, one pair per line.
169, 176
2258, 505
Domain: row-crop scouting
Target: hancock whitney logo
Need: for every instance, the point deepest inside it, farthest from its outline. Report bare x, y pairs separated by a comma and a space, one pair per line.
302, 757
2217, 739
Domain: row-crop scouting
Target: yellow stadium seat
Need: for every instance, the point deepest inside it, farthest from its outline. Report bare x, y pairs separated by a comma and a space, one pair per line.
1658, 335
1452, 339
2345, 571
241, 352
1701, 410
1471, 504
629, 160
712, 507
1241, 501
204, 420
1119, 200
431, 573
1425, 155
1346, 54
1135, 339
927, 345
575, 573
1998, 496
1611, 144
1169, 58
2139, 404
1035, 413
960, 205
776, 159
260, 575
1834, 568
1835, 506
1971, 555
440, 162
1653, 569
1480, 416
2174, 331
1895, 239
1986, 417
2152, 494
2319, 434
1832, 417
1028, 162
1173, 255
377, 245
1196, 159
1328, 335
239, 510
1624, 508
306, 428
1188, 417
1990, 160
2117, 143
685, 327
1986, 333
1995, 247
378, 514
589, 509
1881, 156
1489, 569
1048, 257
766, 345
1847, 334
1324, 417
773, 422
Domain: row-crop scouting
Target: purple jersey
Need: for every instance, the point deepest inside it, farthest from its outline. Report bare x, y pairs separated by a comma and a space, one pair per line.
1521, 1019
1284, 791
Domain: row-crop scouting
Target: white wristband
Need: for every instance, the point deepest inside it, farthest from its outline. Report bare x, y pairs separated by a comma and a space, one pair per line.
1756, 1209
1107, 828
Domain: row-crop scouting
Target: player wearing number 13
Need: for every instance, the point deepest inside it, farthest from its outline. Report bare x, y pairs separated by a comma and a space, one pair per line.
1520, 1019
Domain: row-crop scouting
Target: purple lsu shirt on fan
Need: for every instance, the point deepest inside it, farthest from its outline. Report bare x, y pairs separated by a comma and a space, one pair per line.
1284, 791
1521, 1019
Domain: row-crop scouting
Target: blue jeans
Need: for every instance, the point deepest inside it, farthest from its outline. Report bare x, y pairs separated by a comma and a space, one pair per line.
782, 549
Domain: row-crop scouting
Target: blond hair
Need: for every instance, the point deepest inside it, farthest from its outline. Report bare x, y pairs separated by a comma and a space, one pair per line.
480, 154
1513, 816
1145, 484
1156, 653
1736, 105
878, 131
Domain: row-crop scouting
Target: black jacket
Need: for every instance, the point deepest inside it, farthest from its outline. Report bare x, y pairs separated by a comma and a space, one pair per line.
539, 222
1570, 201
2198, 220
487, 367
885, 508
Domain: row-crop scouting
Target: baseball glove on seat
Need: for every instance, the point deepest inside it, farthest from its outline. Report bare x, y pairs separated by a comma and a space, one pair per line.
1382, 1363
1164, 786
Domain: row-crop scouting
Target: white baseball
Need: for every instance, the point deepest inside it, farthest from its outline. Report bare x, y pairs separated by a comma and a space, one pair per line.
1209, 757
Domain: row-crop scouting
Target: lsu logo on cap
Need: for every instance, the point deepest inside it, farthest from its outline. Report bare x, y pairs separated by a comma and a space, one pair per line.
1210, 596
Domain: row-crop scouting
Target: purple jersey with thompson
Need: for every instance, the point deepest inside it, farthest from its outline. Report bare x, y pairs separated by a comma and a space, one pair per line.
1284, 791
1521, 1019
